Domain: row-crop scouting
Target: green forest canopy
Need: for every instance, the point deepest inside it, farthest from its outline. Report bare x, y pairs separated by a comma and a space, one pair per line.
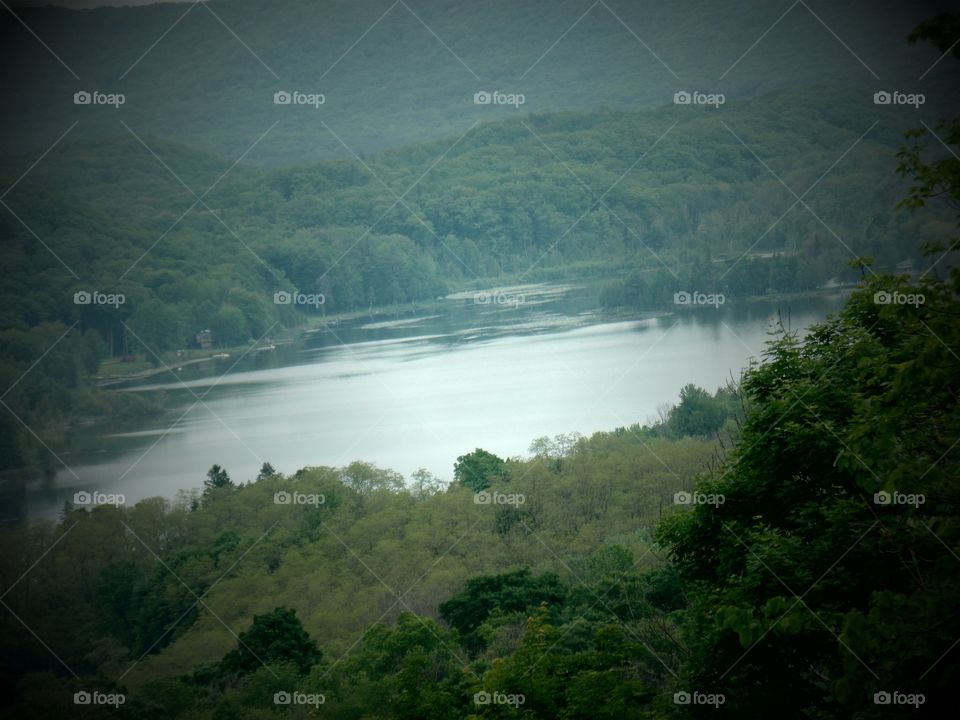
823, 577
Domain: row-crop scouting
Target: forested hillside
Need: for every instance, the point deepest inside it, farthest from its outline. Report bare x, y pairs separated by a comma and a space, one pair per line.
683, 194
393, 73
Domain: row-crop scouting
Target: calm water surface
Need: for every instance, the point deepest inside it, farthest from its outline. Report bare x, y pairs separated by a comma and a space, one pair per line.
418, 392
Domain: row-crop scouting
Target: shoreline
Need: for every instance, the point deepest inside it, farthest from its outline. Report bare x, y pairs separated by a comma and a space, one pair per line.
414, 309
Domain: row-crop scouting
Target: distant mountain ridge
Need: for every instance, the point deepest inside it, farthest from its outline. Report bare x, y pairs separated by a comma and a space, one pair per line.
391, 74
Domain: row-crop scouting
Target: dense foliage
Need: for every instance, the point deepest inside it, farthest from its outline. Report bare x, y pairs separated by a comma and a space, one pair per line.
831, 556
163, 594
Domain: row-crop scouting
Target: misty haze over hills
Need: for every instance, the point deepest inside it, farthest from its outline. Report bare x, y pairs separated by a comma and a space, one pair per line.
397, 73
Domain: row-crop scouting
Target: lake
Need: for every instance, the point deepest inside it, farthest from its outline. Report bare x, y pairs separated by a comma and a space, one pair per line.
408, 392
